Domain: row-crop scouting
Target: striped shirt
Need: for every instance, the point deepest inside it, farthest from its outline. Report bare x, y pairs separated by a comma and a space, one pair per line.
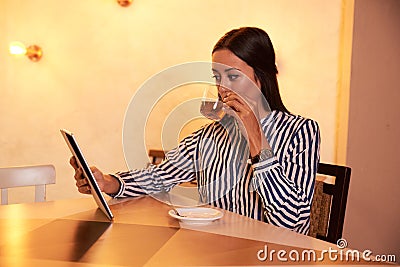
278, 190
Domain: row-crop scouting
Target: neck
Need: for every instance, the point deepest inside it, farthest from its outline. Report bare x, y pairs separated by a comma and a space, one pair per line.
263, 111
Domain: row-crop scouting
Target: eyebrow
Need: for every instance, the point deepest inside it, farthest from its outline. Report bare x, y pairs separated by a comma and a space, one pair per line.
227, 69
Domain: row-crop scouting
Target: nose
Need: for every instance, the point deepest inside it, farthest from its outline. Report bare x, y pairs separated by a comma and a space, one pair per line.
222, 90
224, 86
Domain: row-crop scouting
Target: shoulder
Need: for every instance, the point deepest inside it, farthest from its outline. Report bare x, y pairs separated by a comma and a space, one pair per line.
293, 122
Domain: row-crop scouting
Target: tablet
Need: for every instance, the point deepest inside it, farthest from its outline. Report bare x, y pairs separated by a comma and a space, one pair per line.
94, 187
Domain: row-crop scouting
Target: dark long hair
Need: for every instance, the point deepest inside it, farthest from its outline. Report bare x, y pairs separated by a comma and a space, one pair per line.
253, 46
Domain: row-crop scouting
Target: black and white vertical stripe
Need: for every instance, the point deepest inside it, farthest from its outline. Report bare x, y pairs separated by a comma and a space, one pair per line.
278, 191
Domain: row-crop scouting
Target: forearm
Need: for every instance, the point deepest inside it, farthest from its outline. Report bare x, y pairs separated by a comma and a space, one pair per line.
111, 184
285, 203
286, 185
257, 142
177, 168
135, 183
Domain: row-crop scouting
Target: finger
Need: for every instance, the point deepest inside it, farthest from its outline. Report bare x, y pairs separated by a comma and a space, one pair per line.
96, 173
94, 169
79, 174
84, 189
239, 102
233, 96
73, 162
235, 102
81, 182
234, 105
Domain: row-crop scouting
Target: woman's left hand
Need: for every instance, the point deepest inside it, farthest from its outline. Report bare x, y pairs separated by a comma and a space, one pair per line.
247, 115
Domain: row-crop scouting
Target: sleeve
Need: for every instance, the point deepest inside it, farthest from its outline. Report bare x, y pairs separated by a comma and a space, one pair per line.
177, 167
286, 188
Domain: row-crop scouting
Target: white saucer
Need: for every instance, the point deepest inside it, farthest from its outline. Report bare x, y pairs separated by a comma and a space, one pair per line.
196, 215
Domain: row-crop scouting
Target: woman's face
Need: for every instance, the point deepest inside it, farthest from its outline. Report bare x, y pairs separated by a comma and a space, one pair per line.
233, 74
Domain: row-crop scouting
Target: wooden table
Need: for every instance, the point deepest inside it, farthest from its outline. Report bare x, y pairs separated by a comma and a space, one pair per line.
75, 233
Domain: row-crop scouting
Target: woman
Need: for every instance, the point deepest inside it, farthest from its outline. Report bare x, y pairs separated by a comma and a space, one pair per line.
259, 160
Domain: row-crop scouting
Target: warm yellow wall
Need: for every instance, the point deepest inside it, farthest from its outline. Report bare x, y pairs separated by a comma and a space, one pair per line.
96, 54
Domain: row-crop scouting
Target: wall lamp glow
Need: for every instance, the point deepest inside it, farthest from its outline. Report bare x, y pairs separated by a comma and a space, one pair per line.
33, 52
124, 3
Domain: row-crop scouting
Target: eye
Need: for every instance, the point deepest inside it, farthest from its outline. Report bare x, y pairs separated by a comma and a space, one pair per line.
233, 77
217, 77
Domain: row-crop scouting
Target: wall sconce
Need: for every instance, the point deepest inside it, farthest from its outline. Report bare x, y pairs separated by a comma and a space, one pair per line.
124, 3
33, 52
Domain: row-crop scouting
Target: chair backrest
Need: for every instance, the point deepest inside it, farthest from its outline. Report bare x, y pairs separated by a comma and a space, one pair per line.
38, 176
329, 203
156, 156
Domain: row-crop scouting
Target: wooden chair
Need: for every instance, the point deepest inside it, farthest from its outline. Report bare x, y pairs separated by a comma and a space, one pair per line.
329, 203
156, 156
38, 176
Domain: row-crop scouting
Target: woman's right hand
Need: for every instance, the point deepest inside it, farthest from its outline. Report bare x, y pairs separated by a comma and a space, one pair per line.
107, 183
81, 182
